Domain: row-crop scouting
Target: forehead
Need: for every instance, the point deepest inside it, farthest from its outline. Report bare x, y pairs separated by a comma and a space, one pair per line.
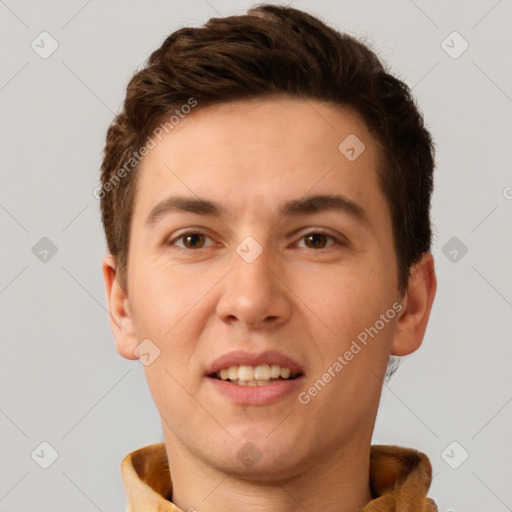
257, 152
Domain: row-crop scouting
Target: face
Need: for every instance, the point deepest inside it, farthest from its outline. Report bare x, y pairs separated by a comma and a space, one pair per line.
261, 273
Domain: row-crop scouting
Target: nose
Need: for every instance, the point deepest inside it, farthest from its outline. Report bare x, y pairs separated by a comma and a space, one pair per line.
253, 294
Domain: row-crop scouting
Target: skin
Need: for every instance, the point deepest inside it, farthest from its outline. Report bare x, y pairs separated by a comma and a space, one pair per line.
308, 301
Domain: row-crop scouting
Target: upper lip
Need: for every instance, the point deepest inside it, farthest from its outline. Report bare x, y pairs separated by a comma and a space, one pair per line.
239, 357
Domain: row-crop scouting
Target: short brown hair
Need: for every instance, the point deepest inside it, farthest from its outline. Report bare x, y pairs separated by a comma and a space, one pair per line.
274, 50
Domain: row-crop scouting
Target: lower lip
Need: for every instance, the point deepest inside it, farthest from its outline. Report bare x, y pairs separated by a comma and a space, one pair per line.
257, 395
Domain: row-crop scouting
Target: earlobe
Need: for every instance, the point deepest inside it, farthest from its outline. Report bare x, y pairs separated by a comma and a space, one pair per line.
418, 300
121, 321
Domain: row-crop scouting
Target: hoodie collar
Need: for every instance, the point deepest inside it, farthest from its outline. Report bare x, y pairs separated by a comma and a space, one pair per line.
399, 480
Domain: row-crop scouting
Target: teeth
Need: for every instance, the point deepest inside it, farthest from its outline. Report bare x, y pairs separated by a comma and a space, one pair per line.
262, 372
252, 382
245, 372
275, 371
247, 375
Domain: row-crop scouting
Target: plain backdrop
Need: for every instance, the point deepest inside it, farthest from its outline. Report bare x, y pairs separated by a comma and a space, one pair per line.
61, 380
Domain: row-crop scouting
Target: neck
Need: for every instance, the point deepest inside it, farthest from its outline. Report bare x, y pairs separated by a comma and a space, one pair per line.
337, 482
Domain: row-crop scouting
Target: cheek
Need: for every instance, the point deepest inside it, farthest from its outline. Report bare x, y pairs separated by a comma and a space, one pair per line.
162, 296
170, 309
345, 311
347, 299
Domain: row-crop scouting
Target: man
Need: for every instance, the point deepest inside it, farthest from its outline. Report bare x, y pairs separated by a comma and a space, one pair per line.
265, 196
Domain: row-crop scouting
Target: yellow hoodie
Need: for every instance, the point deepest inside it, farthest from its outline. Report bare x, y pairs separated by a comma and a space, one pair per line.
399, 480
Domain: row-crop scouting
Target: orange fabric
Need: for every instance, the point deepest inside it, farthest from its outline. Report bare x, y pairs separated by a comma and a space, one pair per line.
399, 480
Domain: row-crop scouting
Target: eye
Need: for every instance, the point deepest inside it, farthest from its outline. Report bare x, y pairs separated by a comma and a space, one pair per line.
318, 240
197, 240
191, 240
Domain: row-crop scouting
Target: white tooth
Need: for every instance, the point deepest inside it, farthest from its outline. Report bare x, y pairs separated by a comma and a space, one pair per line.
245, 372
233, 372
263, 382
285, 373
252, 383
241, 382
262, 372
275, 371
224, 374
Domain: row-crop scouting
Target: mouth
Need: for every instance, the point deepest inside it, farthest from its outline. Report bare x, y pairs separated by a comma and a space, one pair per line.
247, 379
260, 375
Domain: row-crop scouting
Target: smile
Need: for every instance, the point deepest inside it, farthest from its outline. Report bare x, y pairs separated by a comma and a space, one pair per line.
261, 375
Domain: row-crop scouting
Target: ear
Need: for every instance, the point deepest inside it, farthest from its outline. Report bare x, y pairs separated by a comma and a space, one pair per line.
121, 321
417, 303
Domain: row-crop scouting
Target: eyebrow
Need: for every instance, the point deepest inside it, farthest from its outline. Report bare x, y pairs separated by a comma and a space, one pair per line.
308, 205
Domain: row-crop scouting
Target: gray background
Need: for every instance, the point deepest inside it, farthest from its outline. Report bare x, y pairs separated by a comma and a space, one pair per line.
62, 380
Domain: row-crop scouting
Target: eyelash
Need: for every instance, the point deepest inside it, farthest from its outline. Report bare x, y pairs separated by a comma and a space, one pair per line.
305, 235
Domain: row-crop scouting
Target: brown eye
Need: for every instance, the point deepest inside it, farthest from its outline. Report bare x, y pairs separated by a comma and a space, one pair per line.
193, 240
316, 240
